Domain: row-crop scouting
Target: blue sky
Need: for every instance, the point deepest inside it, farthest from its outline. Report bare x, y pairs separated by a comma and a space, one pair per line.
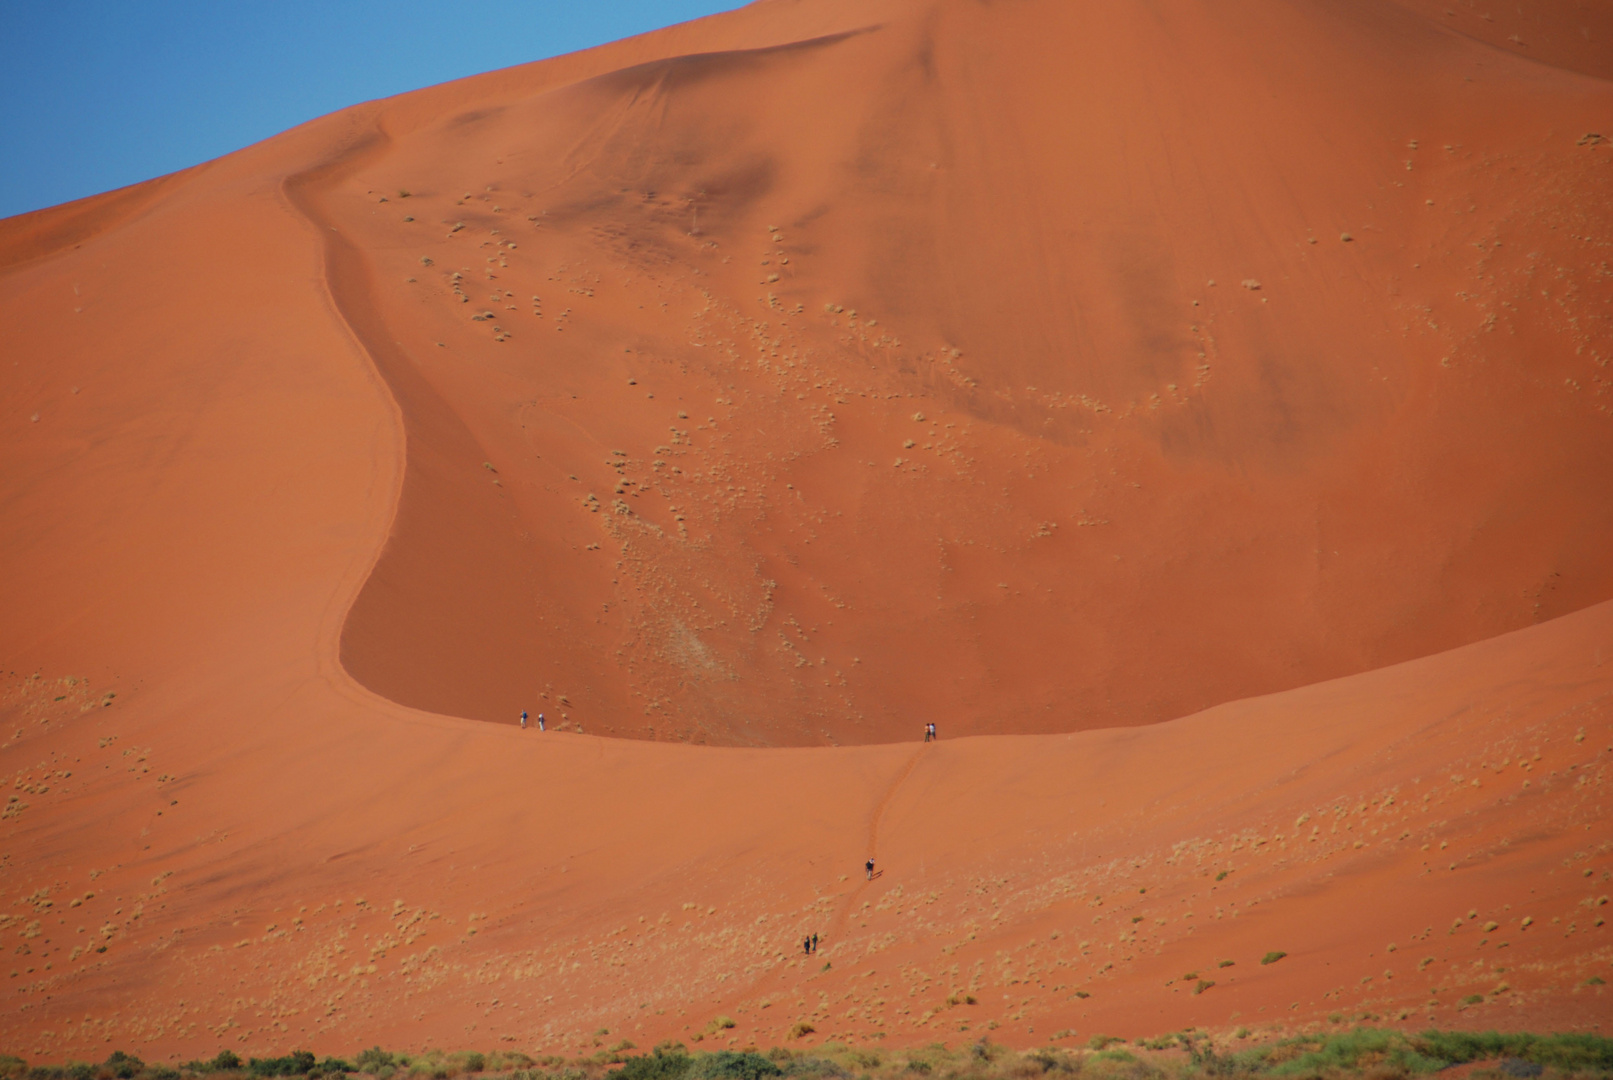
94, 96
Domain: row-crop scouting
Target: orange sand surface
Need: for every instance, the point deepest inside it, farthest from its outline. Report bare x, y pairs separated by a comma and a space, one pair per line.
1201, 412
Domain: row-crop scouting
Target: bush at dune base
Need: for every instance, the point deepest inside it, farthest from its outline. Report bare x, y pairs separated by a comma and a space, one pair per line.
1187, 1054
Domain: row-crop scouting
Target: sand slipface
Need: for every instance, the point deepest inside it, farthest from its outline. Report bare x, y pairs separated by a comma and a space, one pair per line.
783, 381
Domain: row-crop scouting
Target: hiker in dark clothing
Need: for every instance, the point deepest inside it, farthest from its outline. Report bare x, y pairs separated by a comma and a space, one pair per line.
806, 946
814, 942
870, 868
523, 719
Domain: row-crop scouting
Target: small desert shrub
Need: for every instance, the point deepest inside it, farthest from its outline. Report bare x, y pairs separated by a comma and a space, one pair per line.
984, 1050
817, 1068
123, 1066
734, 1065
225, 1061
1120, 1057
373, 1060
296, 1063
1312, 1055
660, 1065
1272, 957
1573, 1052
1051, 1061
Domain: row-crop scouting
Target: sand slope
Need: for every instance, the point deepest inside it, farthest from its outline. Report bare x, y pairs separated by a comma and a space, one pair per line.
343, 872
270, 483
1328, 460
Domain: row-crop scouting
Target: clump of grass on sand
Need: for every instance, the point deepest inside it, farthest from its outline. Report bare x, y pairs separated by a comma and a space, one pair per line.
1372, 1053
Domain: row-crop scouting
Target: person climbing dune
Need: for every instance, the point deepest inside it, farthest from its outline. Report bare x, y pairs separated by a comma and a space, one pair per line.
523, 719
870, 868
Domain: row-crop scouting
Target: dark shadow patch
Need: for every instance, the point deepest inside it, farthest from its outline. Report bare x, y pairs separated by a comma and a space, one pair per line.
475, 116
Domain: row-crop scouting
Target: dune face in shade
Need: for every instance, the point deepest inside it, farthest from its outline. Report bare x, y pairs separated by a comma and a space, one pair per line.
1230, 378
968, 361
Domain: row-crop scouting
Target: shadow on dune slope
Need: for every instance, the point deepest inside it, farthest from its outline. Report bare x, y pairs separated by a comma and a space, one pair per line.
1024, 369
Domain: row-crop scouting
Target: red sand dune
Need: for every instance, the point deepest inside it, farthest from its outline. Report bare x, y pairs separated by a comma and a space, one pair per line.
794, 377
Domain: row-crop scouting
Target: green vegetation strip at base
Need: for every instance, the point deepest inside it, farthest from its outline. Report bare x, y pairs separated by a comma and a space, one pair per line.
1379, 1053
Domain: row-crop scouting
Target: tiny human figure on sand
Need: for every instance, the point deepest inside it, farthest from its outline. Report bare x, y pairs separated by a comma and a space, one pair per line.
540, 721
870, 868
929, 733
523, 719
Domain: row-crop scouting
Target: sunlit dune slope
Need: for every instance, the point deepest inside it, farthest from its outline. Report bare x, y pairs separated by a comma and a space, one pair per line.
296, 492
1427, 844
807, 373
1025, 367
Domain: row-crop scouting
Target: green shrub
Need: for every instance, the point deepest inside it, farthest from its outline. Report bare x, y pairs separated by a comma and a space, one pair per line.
1124, 1057
123, 1066
1360, 1054
660, 1064
296, 1063
509, 1059
1272, 957
1052, 1061
1573, 1052
373, 1060
1375, 1048
733, 1065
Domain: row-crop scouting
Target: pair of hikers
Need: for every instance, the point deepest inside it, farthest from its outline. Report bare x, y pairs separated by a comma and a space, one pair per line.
523, 720
809, 945
929, 733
